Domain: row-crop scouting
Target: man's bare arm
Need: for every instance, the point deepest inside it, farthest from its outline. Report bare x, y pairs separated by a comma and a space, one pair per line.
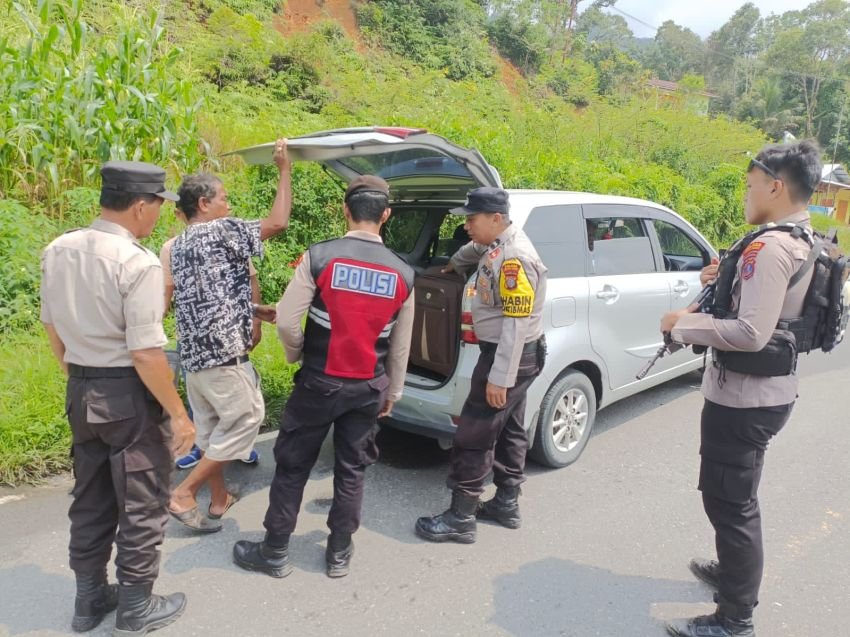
278, 218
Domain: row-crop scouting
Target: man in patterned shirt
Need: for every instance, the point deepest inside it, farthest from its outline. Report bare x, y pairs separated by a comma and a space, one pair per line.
214, 311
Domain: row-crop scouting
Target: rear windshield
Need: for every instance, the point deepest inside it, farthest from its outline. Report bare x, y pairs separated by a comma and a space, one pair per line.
406, 163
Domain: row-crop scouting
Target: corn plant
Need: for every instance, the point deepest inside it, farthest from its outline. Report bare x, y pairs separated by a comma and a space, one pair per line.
72, 97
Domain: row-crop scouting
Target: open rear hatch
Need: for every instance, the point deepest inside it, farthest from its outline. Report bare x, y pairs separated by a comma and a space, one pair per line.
417, 164
419, 167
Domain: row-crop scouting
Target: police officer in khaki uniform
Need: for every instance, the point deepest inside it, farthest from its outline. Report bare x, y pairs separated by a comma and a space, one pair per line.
507, 318
743, 410
101, 304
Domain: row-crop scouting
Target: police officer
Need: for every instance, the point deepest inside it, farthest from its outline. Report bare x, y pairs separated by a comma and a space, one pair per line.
748, 394
507, 317
101, 304
354, 354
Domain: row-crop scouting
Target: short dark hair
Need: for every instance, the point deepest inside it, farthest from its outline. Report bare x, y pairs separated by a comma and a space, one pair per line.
799, 165
367, 206
119, 201
193, 188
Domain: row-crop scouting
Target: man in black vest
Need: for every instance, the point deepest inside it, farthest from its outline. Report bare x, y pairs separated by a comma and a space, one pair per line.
353, 356
748, 394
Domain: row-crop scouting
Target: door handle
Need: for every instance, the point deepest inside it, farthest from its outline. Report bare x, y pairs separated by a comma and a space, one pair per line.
681, 288
607, 293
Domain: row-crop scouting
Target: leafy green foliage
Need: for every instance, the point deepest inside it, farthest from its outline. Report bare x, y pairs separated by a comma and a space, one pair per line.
73, 99
439, 34
22, 234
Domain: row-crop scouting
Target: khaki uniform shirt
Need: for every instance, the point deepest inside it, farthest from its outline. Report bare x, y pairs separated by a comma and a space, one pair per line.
299, 296
102, 291
761, 297
510, 290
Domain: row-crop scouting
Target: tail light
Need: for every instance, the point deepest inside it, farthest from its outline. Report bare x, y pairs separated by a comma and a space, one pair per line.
398, 131
467, 331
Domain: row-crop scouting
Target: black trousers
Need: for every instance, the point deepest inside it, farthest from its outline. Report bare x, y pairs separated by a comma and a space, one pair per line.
317, 402
122, 469
489, 439
732, 450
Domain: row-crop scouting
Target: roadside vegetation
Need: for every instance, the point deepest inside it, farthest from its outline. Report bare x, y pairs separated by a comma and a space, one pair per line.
551, 103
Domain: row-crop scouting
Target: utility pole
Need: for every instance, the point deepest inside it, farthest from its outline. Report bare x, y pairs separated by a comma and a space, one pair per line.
835, 146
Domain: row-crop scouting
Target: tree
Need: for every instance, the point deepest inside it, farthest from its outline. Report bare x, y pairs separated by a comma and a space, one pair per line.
731, 51
677, 51
814, 50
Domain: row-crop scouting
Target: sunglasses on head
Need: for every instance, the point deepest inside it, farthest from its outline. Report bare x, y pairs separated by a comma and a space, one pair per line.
755, 163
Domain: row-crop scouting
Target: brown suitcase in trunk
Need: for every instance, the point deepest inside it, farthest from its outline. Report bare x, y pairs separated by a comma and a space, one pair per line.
436, 322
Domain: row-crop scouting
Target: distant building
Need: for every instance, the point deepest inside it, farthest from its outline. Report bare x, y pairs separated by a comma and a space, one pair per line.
673, 93
832, 196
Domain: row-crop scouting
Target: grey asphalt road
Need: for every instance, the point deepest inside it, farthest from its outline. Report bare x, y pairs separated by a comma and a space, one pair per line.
603, 550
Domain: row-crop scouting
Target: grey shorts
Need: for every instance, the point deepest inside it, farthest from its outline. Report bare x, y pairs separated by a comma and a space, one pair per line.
228, 410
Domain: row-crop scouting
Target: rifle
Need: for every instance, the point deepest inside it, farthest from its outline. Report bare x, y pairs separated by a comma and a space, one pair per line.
704, 302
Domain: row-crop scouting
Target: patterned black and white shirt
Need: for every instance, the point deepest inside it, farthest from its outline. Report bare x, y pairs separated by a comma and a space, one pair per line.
212, 290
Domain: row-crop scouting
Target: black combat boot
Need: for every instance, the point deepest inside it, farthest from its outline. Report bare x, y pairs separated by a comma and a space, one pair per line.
503, 508
456, 524
140, 612
271, 556
728, 620
95, 598
338, 554
706, 570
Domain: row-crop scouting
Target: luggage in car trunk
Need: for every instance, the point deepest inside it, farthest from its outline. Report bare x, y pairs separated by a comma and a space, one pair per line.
436, 322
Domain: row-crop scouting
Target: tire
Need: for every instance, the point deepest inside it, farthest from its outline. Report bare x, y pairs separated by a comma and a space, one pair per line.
558, 446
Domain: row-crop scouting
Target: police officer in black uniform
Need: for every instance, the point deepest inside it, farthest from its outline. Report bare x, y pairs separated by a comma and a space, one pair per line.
751, 385
358, 296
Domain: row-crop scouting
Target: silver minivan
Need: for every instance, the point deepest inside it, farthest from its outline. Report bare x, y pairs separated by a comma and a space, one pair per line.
616, 265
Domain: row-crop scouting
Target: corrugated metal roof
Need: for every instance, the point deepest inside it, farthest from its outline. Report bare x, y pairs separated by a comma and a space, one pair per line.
835, 173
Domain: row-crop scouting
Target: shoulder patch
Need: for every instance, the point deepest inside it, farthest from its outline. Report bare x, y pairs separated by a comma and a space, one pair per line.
515, 290
748, 264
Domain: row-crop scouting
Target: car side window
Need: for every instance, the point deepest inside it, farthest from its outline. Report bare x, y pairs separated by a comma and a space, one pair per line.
557, 233
618, 245
681, 253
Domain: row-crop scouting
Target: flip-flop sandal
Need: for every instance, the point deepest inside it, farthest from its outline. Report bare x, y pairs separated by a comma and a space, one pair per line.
232, 498
195, 520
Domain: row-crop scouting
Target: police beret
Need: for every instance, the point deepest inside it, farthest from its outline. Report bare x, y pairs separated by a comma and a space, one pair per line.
484, 199
136, 177
367, 183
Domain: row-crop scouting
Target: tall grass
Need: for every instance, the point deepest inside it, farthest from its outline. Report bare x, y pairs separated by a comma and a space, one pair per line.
72, 99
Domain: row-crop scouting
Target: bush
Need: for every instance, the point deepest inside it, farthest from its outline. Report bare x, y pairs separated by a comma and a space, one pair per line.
22, 237
439, 34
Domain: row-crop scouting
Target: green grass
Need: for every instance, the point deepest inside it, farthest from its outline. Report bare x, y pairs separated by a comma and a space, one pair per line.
35, 439
34, 435
822, 223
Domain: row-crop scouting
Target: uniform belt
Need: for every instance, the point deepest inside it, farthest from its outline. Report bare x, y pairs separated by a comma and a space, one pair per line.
81, 371
235, 361
528, 348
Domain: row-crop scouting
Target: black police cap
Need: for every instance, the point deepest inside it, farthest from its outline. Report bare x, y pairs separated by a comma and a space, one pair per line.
484, 199
135, 177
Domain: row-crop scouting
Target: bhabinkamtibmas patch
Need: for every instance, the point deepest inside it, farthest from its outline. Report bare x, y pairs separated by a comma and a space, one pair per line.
515, 289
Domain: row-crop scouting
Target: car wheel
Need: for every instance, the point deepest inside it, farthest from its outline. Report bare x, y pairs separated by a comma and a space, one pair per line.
566, 419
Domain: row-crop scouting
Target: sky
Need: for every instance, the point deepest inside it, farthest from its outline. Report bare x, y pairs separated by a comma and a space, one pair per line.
700, 16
